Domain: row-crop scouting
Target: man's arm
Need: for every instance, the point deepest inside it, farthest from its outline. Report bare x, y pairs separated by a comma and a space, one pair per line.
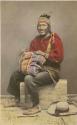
57, 52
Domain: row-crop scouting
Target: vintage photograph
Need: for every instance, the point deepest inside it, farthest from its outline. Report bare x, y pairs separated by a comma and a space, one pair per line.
38, 63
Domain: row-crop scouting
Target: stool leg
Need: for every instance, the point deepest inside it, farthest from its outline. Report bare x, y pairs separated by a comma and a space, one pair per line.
22, 92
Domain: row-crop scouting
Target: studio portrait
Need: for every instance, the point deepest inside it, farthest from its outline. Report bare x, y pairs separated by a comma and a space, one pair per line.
38, 62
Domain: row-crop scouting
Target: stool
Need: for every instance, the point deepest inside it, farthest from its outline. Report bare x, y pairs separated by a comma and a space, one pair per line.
49, 94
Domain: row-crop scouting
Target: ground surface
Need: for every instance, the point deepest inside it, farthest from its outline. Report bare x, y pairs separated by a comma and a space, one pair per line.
13, 116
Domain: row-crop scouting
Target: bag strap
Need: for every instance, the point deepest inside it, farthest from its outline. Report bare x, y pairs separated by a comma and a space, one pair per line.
51, 41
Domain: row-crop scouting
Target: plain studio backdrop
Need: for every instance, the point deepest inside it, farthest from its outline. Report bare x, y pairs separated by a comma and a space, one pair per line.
19, 27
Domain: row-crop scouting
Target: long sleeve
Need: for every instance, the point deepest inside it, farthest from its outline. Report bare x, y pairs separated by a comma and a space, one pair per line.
57, 53
33, 46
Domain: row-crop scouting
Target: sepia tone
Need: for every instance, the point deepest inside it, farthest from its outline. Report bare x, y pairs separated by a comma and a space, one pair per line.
18, 28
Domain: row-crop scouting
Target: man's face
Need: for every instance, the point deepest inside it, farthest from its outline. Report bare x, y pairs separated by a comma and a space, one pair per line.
42, 28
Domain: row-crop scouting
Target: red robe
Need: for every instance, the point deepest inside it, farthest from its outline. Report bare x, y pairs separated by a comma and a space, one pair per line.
57, 52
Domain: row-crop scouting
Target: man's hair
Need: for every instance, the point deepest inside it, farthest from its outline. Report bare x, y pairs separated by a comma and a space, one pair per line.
48, 18
45, 15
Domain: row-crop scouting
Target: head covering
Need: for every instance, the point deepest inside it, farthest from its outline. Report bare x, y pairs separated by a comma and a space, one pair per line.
44, 19
62, 109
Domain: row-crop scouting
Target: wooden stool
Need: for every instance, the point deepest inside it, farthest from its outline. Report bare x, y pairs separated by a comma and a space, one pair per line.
49, 94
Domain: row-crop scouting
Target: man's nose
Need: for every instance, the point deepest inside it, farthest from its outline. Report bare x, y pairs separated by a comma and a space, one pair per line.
41, 27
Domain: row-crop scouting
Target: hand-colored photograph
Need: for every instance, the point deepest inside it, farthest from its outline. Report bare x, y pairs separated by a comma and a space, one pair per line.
38, 63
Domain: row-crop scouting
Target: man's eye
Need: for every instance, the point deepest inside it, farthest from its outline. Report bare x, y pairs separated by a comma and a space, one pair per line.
43, 26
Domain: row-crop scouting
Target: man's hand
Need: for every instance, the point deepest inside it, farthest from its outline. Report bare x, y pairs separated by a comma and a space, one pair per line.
42, 53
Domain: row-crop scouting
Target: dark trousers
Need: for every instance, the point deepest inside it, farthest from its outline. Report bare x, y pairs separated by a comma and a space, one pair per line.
14, 83
32, 84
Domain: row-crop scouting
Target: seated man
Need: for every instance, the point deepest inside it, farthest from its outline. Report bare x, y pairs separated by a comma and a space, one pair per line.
48, 45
